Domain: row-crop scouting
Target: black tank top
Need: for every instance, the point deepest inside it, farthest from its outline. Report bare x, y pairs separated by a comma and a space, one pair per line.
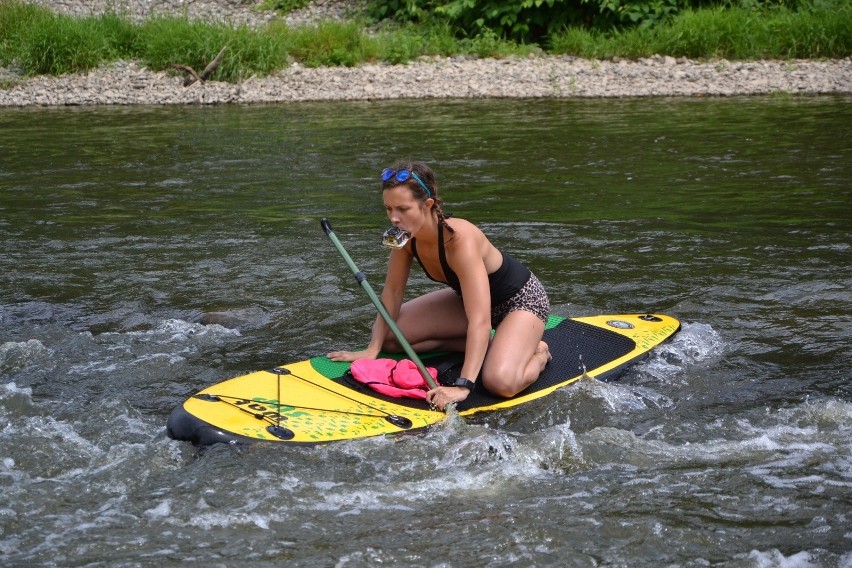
504, 282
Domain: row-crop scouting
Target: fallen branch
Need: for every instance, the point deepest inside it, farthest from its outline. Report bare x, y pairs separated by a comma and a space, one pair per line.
213, 64
192, 77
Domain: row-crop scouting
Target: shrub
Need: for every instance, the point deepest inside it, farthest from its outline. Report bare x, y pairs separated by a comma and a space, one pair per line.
518, 20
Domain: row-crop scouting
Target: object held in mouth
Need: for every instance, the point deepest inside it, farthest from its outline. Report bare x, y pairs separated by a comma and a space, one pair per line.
395, 238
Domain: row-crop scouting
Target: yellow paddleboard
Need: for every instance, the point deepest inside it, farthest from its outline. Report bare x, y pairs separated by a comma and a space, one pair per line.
316, 401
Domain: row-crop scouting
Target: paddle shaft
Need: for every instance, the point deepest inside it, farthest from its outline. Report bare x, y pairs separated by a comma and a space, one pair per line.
362, 280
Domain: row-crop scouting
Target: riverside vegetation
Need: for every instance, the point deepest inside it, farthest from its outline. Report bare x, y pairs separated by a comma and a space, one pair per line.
38, 41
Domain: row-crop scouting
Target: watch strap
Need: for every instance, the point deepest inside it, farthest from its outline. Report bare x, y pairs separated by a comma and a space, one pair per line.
466, 383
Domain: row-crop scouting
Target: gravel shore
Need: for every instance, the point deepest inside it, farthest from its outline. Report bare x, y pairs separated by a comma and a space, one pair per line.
128, 82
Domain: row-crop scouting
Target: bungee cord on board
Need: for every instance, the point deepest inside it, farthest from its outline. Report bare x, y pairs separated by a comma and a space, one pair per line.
274, 417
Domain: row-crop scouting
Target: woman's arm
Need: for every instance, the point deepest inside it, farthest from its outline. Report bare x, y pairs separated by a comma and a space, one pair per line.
466, 256
467, 260
393, 292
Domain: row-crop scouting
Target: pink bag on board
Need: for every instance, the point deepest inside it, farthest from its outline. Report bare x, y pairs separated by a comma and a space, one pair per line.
398, 379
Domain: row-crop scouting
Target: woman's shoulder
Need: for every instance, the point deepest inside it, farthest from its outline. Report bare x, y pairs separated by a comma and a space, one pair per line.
466, 236
463, 225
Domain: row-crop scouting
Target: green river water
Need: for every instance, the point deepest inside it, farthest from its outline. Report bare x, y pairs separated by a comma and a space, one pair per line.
149, 252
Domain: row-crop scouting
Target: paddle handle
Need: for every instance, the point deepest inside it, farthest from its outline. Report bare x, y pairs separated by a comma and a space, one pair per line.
362, 280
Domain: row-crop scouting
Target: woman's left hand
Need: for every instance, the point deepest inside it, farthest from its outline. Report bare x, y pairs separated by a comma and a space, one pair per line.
442, 396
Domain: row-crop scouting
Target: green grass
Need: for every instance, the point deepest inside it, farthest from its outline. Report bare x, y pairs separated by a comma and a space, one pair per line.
732, 33
41, 42
166, 41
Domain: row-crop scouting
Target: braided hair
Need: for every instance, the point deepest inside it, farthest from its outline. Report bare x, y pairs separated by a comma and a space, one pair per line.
427, 176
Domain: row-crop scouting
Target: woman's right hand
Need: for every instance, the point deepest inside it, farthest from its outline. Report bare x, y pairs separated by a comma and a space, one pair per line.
351, 355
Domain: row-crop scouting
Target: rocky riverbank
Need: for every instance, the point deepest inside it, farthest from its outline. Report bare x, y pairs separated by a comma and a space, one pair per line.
532, 77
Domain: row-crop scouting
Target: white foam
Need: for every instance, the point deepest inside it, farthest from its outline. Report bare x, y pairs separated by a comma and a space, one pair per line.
796, 448
182, 331
229, 519
166, 345
476, 460
161, 511
618, 397
17, 355
93, 367
775, 559
166, 358
694, 343
179, 331
11, 389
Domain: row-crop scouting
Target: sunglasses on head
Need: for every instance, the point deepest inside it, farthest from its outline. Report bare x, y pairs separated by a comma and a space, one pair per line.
402, 176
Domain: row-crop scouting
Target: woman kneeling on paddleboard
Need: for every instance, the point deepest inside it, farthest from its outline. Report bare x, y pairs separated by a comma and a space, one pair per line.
487, 289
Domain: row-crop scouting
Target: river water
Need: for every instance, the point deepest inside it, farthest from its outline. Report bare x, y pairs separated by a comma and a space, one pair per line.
150, 252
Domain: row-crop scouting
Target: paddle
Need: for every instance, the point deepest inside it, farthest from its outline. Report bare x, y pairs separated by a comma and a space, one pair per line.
362, 280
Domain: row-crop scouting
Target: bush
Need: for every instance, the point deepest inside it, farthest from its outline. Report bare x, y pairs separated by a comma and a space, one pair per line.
528, 21
643, 13
517, 20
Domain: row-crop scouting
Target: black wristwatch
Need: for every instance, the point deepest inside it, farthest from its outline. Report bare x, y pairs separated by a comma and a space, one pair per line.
462, 382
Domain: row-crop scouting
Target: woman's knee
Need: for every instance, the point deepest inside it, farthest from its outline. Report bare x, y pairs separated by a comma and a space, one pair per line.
502, 380
503, 389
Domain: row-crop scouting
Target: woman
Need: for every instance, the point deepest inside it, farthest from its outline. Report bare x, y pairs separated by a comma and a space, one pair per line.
486, 289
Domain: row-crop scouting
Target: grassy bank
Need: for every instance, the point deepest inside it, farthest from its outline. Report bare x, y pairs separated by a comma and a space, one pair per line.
731, 33
41, 42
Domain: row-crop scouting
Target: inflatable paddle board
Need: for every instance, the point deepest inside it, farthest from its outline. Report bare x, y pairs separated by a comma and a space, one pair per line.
317, 401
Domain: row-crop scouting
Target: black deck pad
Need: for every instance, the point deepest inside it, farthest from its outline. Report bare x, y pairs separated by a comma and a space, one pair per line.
576, 347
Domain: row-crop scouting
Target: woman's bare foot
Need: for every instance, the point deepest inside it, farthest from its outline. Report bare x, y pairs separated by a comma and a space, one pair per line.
544, 350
